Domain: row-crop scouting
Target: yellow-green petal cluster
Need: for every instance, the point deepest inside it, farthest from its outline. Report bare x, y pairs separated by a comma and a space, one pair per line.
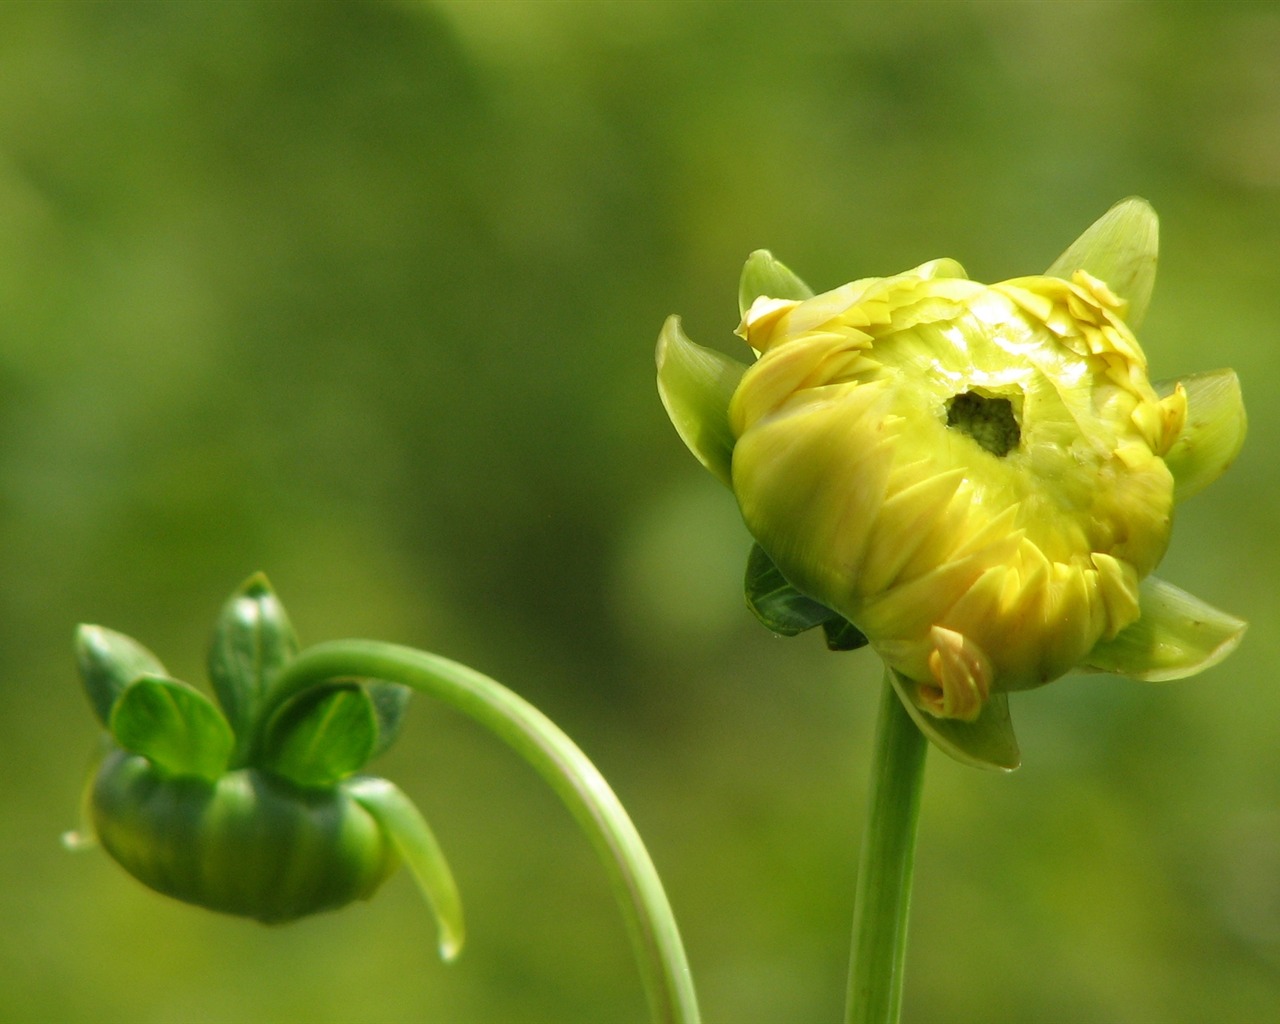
978, 477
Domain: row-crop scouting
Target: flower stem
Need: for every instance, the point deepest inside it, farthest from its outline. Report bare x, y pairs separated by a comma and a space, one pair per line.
650, 923
884, 873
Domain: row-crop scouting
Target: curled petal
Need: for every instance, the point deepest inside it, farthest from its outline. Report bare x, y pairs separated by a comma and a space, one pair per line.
1177, 635
762, 320
986, 742
1118, 590
764, 275
961, 677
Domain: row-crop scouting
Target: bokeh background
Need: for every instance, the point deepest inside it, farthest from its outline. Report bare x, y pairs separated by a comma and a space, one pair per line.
365, 295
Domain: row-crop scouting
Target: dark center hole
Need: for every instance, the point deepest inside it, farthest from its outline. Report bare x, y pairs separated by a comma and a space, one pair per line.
989, 421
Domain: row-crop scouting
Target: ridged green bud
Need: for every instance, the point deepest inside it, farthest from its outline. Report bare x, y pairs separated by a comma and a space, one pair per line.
250, 844
252, 806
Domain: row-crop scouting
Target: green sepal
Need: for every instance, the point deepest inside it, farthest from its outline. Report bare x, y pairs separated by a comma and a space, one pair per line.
764, 275
986, 742
321, 736
174, 726
390, 702
775, 602
781, 608
252, 641
109, 662
1120, 248
842, 635
695, 385
413, 839
1176, 635
1213, 434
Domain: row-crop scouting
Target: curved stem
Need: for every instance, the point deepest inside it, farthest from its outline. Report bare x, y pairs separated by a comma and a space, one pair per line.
884, 872
663, 964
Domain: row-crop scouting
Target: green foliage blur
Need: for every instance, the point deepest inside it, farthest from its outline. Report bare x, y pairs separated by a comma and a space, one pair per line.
365, 295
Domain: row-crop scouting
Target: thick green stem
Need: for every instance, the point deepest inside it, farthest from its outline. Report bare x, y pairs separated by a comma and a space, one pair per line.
884, 873
663, 964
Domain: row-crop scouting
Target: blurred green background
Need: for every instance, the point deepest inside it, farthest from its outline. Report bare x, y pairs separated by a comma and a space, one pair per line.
365, 295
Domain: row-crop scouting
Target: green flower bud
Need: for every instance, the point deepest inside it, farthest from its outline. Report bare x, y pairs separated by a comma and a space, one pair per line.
251, 806
251, 843
980, 478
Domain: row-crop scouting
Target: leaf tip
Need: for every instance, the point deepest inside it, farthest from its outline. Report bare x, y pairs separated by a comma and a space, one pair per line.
450, 945
257, 585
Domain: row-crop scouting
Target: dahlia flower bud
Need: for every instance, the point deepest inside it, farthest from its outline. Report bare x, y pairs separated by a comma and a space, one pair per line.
979, 478
253, 808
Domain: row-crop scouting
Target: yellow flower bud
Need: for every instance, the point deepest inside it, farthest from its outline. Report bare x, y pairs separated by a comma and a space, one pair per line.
978, 477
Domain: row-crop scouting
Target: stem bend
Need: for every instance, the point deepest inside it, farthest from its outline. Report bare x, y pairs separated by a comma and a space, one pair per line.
539, 741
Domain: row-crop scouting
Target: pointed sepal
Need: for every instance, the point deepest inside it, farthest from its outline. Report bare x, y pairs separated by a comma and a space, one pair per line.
1213, 433
412, 837
764, 275
174, 726
252, 641
1121, 249
842, 635
109, 662
696, 384
1176, 635
986, 742
321, 736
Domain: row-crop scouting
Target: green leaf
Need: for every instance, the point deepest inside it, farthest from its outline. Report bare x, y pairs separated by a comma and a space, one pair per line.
1214, 431
390, 702
322, 735
417, 844
986, 742
251, 642
764, 275
783, 609
1120, 248
695, 385
174, 726
1176, 635
109, 662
